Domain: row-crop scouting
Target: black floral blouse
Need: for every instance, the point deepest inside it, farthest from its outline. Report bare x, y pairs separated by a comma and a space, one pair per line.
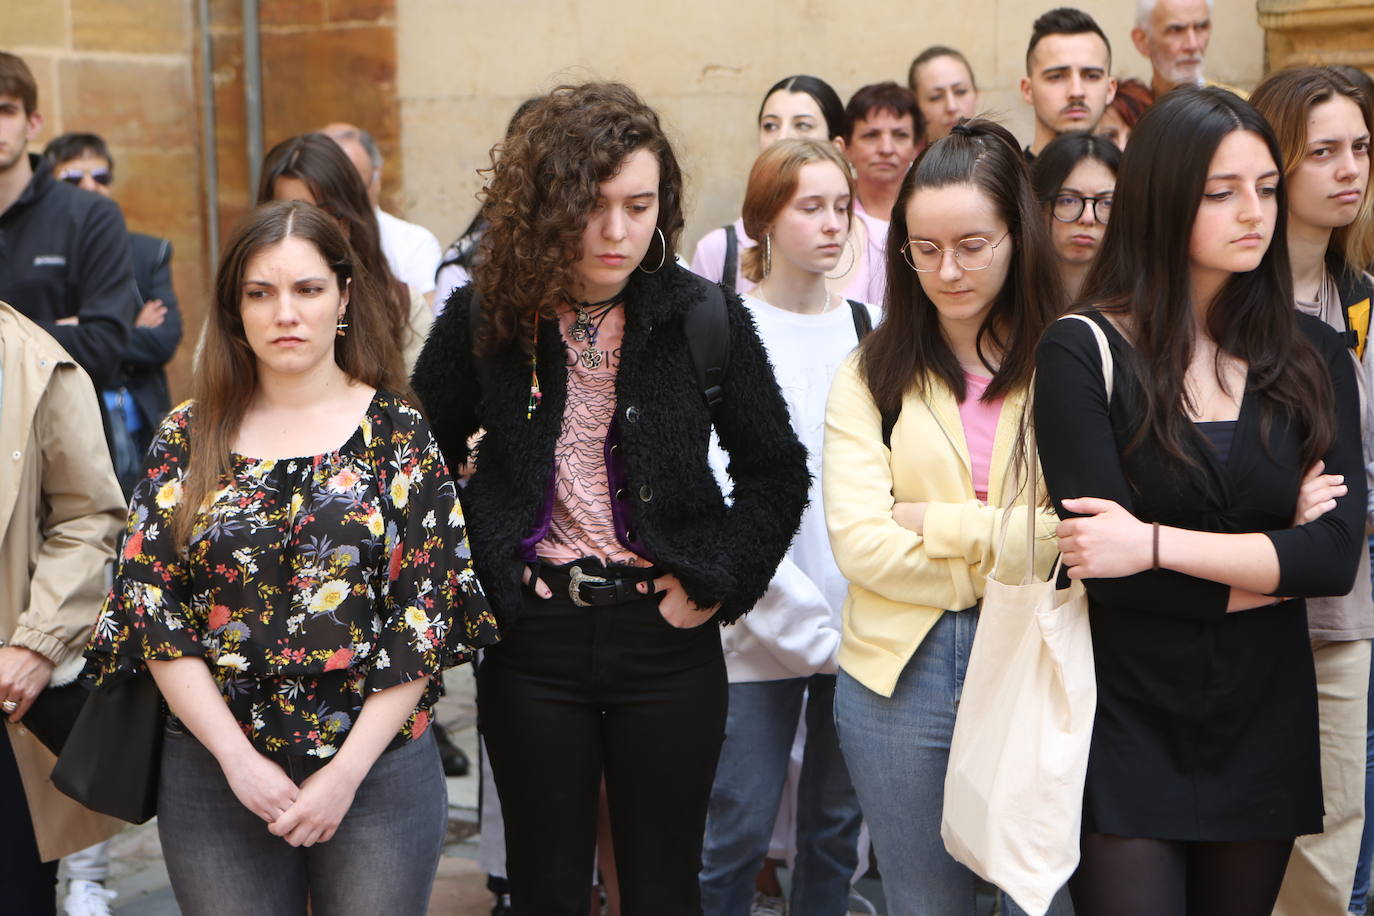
309, 582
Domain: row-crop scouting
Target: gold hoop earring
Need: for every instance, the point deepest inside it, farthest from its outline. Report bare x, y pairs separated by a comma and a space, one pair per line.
854, 259
663, 259
767, 255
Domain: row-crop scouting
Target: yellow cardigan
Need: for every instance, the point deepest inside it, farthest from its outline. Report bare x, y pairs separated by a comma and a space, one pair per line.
900, 582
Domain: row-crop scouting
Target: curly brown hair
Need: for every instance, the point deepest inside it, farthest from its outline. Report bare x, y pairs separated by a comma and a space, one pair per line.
542, 185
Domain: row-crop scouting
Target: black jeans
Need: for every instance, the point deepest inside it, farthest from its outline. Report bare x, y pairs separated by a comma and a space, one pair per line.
27, 885
571, 693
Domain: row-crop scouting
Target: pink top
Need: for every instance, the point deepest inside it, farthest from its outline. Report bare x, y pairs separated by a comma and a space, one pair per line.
868, 278
582, 525
980, 429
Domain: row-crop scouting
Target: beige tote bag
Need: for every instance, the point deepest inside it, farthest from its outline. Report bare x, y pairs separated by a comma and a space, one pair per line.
1019, 755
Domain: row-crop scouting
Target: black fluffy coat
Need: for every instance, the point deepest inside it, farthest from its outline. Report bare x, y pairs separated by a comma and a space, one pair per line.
722, 554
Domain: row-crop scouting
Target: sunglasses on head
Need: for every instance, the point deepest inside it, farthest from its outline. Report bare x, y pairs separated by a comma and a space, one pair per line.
74, 176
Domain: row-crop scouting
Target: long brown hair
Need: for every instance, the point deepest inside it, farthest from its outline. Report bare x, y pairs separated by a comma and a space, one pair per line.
227, 375
908, 349
772, 183
323, 167
1286, 99
1143, 273
543, 183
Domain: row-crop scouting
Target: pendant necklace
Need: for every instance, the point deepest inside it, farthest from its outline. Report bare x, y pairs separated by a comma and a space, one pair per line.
587, 326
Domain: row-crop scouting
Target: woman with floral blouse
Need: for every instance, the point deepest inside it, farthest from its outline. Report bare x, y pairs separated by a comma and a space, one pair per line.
296, 577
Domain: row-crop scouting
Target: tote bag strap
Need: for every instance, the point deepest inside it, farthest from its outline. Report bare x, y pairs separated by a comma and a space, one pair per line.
1029, 455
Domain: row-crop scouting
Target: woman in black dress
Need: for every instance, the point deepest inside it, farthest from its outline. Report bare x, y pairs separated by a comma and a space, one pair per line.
1187, 516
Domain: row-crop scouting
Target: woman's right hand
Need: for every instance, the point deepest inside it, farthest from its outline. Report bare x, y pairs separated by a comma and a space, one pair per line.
1318, 493
260, 785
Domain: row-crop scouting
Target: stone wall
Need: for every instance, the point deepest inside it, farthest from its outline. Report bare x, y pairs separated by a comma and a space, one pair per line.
465, 66
1307, 32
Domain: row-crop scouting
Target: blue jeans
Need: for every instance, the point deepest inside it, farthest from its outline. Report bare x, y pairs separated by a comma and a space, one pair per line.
1359, 895
222, 861
897, 749
759, 729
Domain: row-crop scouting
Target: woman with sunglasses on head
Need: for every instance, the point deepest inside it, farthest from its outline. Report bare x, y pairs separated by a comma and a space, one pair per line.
599, 531
312, 168
295, 576
804, 107
920, 474
1192, 513
1073, 178
1322, 122
780, 657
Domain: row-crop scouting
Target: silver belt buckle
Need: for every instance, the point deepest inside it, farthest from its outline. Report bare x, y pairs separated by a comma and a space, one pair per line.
574, 587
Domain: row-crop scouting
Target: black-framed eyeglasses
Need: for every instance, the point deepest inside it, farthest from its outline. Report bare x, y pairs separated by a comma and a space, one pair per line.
972, 253
1067, 208
73, 176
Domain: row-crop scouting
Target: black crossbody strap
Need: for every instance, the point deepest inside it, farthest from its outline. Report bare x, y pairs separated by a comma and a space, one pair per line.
731, 269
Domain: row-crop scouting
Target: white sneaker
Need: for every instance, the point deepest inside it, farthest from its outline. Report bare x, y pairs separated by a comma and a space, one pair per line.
87, 898
764, 905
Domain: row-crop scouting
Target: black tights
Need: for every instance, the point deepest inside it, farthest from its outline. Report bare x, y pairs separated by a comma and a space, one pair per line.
1127, 876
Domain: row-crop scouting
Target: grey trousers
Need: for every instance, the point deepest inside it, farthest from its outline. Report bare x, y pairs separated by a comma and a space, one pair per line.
222, 861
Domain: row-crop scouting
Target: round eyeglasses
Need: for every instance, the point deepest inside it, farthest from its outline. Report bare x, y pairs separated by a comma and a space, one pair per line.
973, 253
1069, 207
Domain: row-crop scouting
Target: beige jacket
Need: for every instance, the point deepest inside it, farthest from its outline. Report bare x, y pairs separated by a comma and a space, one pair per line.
900, 582
60, 512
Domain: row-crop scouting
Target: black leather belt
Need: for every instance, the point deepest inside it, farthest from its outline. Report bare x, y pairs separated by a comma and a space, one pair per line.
601, 588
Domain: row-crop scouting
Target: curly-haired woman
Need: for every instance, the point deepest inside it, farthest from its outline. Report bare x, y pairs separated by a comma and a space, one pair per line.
593, 488
295, 577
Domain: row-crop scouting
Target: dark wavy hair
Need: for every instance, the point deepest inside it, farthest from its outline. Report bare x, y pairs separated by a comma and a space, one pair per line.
73, 146
827, 99
1142, 273
227, 373
542, 185
908, 350
338, 189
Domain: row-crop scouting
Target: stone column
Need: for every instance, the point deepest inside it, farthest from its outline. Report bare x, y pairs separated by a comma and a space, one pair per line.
1317, 32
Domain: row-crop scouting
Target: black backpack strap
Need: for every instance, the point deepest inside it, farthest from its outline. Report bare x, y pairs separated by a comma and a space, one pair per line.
863, 322
731, 269
708, 338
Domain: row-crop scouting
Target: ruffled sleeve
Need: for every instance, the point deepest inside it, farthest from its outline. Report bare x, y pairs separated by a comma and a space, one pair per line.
149, 611
433, 608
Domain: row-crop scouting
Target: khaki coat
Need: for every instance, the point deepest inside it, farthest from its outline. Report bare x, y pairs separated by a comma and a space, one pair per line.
60, 513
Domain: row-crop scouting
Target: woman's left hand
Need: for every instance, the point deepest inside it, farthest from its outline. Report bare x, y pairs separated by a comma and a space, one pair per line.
675, 606
318, 810
1107, 544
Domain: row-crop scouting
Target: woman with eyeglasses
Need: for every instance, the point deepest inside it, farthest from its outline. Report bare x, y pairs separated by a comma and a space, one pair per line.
920, 474
1192, 514
1323, 122
1074, 178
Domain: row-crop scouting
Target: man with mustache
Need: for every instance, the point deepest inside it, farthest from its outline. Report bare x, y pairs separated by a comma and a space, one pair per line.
1068, 79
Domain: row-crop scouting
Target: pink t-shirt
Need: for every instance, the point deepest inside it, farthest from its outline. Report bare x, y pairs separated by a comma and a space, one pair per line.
980, 429
581, 525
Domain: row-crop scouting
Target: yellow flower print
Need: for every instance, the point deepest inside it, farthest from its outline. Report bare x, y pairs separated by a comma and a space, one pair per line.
233, 660
400, 490
296, 501
329, 596
169, 494
416, 620
374, 523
